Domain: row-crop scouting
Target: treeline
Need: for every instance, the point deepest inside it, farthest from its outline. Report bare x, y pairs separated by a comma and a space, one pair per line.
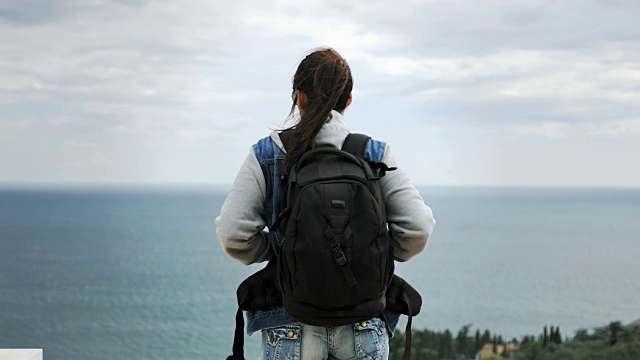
429, 344
613, 341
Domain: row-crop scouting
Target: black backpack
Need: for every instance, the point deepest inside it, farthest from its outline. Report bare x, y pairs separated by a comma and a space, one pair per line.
335, 260
335, 265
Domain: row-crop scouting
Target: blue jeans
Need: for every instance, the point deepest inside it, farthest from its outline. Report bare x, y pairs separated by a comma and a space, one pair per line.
297, 341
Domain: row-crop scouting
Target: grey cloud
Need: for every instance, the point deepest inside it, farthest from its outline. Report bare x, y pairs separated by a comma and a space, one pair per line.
443, 28
147, 58
175, 80
580, 47
38, 12
33, 11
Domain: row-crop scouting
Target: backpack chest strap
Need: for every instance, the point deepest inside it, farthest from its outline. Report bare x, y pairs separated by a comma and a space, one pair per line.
339, 257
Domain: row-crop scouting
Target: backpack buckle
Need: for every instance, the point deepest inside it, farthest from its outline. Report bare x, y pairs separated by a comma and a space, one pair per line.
338, 255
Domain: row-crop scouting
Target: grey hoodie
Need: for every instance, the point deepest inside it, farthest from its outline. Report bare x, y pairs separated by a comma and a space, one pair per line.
240, 227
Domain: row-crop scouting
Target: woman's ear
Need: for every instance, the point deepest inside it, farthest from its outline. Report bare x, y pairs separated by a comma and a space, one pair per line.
350, 99
301, 99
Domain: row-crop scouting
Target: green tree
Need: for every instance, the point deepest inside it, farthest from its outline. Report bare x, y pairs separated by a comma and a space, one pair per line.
615, 331
462, 341
582, 335
445, 345
528, 339
505, 351
492, 357
486, 337
533, 352
558, 336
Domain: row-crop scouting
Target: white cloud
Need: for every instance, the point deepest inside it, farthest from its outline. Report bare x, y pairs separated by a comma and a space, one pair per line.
10, 82
16, 125
610, 129
95, 160
546, 130
20, 123
82, 144
520, 74
616, 128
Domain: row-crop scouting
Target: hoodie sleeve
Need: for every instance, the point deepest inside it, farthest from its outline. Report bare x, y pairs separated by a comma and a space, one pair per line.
240, 225
410, 220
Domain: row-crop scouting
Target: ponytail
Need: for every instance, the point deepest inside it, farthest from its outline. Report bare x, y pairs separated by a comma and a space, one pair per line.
325, 79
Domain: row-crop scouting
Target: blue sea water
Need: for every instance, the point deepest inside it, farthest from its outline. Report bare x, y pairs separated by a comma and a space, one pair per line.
139, 274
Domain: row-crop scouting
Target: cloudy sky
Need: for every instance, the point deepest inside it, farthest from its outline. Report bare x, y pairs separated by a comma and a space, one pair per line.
466, 92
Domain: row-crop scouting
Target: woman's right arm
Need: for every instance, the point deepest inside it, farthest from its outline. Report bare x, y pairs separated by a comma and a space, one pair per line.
240, 225
410, 220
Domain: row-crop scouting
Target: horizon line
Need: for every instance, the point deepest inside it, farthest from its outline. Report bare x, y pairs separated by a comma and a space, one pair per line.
220, 186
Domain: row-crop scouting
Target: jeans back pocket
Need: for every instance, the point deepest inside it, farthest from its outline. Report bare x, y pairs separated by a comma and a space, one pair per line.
280, 341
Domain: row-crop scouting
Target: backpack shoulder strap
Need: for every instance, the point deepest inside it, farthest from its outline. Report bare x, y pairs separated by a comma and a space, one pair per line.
258, 291
355, 144
404, 299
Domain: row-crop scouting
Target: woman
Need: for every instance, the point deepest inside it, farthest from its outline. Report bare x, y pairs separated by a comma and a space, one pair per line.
322, 88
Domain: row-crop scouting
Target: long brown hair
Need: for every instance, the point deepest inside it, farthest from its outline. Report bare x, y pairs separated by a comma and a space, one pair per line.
325, 78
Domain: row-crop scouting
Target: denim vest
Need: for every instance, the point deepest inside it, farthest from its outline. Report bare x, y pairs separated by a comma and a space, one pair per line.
271, 160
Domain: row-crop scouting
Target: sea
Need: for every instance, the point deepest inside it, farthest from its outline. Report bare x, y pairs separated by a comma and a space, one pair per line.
137, 273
